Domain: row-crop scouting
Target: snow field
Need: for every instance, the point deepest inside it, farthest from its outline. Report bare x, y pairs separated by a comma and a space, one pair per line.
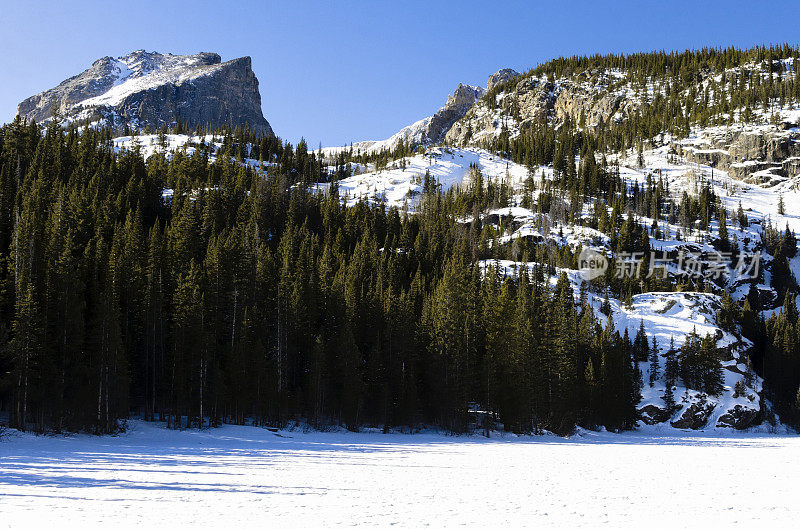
238, 476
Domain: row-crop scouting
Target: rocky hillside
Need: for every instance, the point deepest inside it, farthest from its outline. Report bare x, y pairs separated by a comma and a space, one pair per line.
149, 89
520, 102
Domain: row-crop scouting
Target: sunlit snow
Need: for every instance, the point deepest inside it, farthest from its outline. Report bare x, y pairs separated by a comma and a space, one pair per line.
238, 476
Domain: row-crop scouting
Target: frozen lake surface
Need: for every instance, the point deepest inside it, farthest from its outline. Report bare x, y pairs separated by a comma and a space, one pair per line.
236, 477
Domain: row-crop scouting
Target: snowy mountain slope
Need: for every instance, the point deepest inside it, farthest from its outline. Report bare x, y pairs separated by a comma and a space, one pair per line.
401, 183
152, 89
398, 185
432, 130
414, 134
150, 144
670, 318
759, 201
140, 71
673, 316
169, 144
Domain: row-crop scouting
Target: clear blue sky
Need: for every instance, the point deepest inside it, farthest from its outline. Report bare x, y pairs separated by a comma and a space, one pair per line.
343, 71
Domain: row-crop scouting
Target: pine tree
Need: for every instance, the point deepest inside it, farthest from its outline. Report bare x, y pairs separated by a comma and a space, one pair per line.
711, 366
590, 399
741, 217
641, 347
654, 362
25, 348
669, 399
640, 156
690, 364
671, 371
724, 242
188, 357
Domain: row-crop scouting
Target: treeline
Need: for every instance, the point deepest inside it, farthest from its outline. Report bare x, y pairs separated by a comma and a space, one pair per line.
680, 65
248, 298
678, 90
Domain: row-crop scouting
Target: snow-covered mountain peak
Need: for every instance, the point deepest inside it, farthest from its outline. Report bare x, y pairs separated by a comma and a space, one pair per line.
143, 70
144, 88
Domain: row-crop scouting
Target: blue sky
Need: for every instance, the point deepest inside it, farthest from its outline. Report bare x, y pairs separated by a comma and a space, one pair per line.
335, 72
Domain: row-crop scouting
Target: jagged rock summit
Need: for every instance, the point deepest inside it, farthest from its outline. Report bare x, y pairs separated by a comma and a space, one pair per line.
432, 129
454, 109
153, 89
501, 76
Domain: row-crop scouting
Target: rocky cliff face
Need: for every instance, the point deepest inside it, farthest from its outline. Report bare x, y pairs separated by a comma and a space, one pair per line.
153, 89
454, 109
761, 153
533, 100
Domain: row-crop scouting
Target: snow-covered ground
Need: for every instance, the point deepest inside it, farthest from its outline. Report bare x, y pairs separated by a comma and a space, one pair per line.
150, 144
399, 185
240, 476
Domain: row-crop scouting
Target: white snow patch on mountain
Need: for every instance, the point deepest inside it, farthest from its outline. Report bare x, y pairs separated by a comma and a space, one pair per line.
150, 144
135, 75
413, 134
402, 182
